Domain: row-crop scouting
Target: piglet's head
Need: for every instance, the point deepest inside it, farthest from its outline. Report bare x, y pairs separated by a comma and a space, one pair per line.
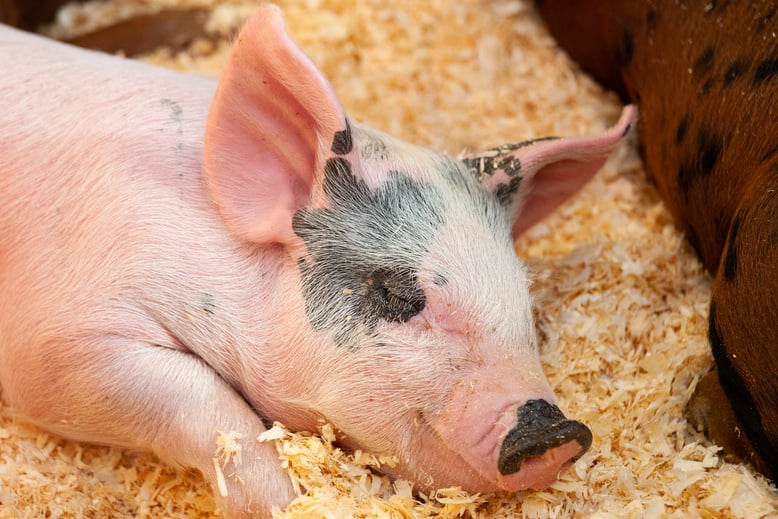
409, 322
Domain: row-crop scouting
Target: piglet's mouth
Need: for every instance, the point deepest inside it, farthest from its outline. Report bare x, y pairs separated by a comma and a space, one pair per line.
545, 439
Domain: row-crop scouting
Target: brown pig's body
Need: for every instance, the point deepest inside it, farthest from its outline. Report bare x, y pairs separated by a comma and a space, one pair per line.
705, 76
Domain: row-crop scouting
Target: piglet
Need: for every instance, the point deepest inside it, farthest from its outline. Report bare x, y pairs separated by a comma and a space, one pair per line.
180, 258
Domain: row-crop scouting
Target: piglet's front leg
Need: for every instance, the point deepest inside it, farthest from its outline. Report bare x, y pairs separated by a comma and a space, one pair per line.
154, 398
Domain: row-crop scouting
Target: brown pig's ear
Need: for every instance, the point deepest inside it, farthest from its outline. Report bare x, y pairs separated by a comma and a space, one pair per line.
533, 178
272, 120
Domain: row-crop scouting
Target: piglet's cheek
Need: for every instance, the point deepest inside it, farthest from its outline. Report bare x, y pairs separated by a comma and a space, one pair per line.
442, 312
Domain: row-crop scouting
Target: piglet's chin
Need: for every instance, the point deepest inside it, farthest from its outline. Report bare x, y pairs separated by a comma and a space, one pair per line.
539, 472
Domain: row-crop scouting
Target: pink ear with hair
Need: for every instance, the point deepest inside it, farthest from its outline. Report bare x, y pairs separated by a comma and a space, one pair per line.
534, 178
272, 120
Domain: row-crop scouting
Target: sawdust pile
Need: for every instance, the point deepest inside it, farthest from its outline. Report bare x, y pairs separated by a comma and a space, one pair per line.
621, 300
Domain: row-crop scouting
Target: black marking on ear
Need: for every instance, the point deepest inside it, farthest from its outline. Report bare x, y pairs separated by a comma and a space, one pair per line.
625, 49
485, 163
511, 165
731, 259
524, 144
342, 144
734, 71
683, 127
766, 70
505, 192
364, 251
704, 63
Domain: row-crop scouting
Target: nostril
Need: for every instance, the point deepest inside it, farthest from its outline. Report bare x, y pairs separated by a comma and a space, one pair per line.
540, 428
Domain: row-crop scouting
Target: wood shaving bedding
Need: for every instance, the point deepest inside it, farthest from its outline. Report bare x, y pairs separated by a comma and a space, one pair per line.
621, 301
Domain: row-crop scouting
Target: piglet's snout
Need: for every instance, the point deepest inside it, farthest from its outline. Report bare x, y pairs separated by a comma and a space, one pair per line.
541, 446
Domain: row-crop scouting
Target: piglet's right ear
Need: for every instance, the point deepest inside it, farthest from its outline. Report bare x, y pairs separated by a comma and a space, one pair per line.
272, 120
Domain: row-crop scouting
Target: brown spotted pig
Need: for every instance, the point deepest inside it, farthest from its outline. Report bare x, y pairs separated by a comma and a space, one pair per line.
705, 76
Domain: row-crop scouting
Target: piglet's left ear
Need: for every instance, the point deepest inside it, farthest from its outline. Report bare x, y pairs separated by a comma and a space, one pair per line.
533, 178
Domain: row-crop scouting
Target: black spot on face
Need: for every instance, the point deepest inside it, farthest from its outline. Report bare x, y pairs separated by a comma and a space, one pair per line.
625, 49
734, 71
337, 173
731, 258
704, 63
391, 294
364, 251
373, 149
766, 70
683, 127
342, 144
